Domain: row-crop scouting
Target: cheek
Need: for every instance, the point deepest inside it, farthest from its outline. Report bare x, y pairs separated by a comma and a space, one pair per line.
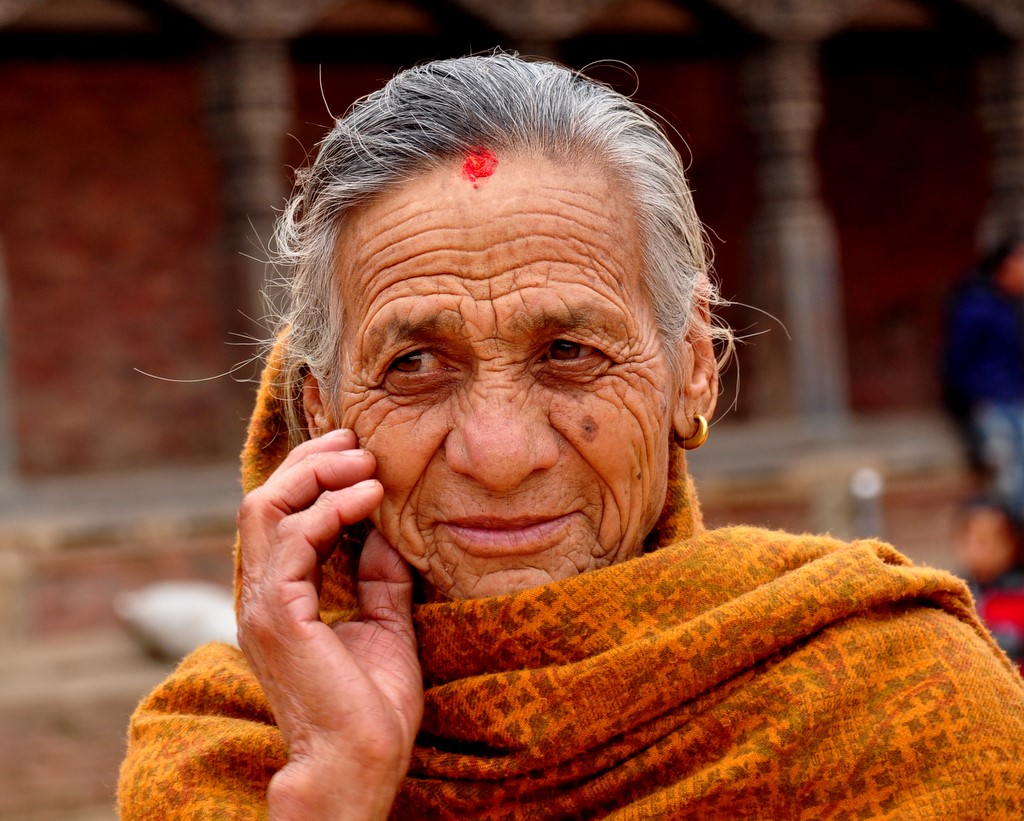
403, 440
622, 435
402, 443
625, 416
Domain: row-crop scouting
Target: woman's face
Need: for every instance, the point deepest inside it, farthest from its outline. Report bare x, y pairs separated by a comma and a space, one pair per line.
501, 360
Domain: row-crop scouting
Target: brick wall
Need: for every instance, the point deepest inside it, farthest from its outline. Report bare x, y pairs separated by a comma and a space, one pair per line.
109, 212
904, 166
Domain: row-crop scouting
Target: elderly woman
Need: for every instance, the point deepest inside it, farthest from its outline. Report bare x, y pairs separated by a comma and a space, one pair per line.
472, 577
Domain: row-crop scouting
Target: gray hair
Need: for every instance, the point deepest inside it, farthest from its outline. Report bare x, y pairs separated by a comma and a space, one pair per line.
425, 117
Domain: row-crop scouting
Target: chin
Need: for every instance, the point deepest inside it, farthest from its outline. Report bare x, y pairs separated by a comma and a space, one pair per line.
503, 582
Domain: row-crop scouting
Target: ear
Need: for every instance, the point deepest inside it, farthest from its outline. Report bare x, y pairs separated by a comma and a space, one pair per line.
319, 419
697, 382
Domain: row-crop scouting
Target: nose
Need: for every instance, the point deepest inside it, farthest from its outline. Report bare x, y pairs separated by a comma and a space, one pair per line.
499, 439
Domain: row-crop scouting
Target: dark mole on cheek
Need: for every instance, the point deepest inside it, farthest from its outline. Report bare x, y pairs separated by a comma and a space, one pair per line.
589, 428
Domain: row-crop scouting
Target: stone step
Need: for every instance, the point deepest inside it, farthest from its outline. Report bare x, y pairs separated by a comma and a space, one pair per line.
64, 708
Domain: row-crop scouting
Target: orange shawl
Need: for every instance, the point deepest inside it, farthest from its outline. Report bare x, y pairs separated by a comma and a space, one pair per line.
726, 674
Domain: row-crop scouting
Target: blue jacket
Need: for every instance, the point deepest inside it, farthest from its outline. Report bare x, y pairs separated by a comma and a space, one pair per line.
984, 357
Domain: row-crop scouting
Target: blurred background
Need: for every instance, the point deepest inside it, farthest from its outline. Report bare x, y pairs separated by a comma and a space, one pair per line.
850, 158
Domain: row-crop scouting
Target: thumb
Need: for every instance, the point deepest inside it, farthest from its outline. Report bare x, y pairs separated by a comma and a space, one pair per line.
385, 585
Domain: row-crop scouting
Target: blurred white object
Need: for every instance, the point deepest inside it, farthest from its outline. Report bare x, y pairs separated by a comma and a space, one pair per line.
867, 486
173, 618
866, 483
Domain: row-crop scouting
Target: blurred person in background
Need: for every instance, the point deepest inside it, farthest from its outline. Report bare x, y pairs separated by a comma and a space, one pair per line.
984, 372
987, 548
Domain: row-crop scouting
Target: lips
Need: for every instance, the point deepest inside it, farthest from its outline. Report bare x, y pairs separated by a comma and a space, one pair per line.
494, 537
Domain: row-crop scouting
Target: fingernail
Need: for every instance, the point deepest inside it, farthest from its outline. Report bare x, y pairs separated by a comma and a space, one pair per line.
337, 433
366, 484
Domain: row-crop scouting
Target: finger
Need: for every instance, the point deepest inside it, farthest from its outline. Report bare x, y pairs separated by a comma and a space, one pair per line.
291, 546
320, 525
303, 541
300, 485
338, 439
385, 585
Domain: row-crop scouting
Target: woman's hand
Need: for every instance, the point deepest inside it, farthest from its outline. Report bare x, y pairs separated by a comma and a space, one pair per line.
347, 699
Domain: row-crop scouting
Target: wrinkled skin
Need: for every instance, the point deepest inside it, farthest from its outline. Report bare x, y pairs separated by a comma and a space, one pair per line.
503, 374
502, 362
347, 699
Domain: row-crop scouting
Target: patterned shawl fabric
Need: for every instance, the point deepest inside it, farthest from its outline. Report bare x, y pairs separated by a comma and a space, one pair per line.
724, 674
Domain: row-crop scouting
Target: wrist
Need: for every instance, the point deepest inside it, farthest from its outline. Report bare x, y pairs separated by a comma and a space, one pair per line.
332, 788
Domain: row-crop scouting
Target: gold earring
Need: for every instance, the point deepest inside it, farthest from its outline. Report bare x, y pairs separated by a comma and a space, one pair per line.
700, 436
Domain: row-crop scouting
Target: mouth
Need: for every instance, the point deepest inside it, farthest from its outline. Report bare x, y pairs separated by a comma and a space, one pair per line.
488, 537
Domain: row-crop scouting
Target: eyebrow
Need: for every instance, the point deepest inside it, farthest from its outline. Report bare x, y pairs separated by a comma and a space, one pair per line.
442, 327
552, 323
429, 329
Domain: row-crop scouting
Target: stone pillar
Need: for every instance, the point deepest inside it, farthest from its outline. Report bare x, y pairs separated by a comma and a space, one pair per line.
8, 453
799, 369
249, 108
1002, 113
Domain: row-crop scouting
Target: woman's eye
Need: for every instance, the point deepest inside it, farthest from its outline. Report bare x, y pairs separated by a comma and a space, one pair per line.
414, 362
419, 374
563, 349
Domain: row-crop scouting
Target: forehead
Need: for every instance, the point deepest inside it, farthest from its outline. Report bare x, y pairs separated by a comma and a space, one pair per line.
532, 234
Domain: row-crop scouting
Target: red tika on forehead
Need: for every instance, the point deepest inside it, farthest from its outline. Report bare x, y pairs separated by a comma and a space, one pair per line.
480, 162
